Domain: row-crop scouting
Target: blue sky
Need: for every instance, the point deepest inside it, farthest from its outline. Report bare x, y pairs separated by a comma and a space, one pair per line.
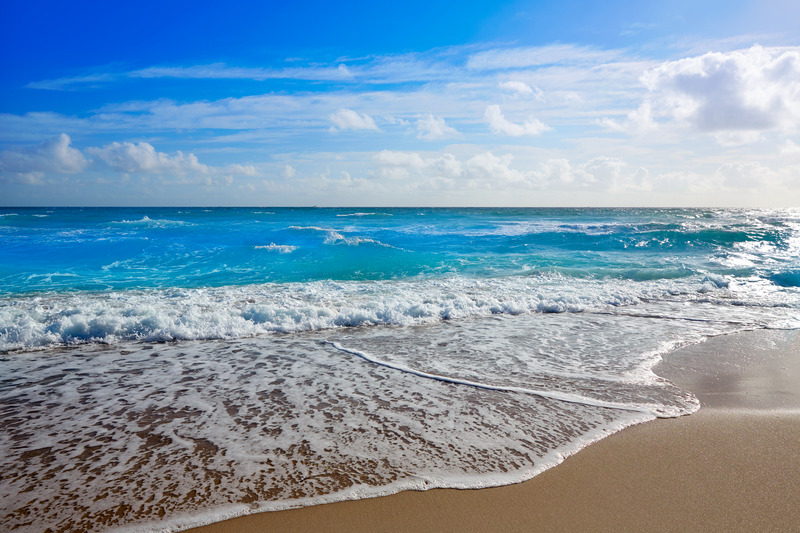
413, 103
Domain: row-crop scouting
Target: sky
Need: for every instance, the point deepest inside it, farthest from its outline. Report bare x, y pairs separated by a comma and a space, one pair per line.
524, 103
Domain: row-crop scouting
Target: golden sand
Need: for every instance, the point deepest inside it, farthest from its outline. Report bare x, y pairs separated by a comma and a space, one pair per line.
733, 466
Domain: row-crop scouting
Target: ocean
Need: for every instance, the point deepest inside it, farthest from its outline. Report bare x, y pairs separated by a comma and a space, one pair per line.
168, 367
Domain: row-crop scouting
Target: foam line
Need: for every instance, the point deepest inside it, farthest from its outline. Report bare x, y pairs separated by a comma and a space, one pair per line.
571, 398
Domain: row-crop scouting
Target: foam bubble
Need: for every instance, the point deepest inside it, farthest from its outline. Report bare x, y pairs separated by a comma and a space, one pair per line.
149, 222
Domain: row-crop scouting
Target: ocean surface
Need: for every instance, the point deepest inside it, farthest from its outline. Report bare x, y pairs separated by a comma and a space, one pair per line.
161, 368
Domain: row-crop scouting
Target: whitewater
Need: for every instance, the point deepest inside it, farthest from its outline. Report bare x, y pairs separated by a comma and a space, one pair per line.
168, 367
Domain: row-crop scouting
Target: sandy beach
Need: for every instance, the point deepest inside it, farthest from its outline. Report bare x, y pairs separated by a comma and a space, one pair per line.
732, 466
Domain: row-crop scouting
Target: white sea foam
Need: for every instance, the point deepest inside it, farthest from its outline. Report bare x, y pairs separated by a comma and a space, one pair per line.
654, 409
511, 229
153, 223
280, 248
244, 311
334, 237
464, 383
199, 431
281, 421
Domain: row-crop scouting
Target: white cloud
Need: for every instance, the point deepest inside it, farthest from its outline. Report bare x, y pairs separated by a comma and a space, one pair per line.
399, 159
487, 170
736, 138
493, 169
242, 170
729, 97
789, 149
499, 124
640, 120
597, 174
440, 83
223, 71
55, 155
395, 120
70, 83
604, 173
411, 165
347, 119
143, 157
753, 90
51, 155
289, 171
521, 88
399, 165
751, 175
679, 182
430, 127
437, 65
217, 71
508, 58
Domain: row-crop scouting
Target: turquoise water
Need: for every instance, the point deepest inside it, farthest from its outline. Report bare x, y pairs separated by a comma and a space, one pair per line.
96, 268
188, 365
100, 249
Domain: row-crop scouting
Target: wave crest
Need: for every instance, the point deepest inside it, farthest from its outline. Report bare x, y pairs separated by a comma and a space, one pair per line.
246, 311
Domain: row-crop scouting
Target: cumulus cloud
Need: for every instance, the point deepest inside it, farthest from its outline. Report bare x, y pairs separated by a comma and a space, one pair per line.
492, 168
289, 171
242, 170
597, 174
521, 88
500, 125
399, 165
789, 149
606, 173
347, 119
603, 174
750, 175
56, 155
411, 165
143, 157
487, 170
431, 127
51, 155
399, 159
639, 120
753, 90
395, 120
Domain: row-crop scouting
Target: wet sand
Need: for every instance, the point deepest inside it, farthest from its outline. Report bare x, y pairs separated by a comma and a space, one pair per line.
733, 466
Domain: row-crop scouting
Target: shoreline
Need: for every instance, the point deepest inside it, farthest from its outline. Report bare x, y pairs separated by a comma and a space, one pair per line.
730, 466
642, 478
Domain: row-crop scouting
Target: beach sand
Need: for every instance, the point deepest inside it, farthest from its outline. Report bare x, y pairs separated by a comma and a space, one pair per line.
732, 466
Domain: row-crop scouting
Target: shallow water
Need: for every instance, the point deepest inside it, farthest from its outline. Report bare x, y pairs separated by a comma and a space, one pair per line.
166, 368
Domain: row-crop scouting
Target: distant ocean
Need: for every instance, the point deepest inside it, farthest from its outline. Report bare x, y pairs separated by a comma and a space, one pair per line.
161, 368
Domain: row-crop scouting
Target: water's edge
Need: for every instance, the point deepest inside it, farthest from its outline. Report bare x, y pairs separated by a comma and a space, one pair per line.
753, 350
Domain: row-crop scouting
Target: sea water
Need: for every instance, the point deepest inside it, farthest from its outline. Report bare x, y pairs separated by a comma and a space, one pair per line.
161, 368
